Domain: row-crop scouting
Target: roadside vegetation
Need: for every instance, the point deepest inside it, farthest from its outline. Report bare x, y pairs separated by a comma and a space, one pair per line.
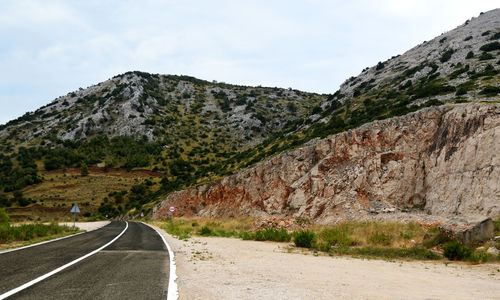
29, 233
367, 239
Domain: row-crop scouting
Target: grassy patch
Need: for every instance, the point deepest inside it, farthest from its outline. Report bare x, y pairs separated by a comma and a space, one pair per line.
385, 240
32, 232
274, 235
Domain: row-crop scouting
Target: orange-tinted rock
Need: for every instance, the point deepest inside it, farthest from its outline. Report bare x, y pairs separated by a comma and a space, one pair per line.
443, 160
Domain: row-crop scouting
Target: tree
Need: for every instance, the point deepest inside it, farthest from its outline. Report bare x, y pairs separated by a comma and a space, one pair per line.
4, 218
84, 170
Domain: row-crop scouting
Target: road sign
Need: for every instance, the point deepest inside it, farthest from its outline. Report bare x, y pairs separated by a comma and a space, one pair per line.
75, 209
171, 209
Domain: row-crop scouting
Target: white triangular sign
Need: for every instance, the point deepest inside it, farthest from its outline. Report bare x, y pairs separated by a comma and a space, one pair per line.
75, 209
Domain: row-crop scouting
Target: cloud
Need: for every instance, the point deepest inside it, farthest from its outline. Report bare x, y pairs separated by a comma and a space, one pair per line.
52, 47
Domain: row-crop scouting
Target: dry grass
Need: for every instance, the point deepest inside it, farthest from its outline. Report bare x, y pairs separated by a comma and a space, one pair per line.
390, 234
387, 234
59, 190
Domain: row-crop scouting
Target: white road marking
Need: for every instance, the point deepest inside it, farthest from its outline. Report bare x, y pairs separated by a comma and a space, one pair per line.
173, 293
34, 281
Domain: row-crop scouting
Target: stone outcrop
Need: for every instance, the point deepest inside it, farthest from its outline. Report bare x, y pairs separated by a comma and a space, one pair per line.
468, 231
441, 160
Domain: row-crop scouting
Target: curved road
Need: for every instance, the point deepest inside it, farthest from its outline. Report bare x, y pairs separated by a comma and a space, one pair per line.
135, 266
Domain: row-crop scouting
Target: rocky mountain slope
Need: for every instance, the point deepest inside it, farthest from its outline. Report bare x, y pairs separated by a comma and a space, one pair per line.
441, 160
457, 65
177, 110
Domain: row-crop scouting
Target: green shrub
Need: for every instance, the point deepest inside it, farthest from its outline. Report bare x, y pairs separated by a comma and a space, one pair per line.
4, 217
446, 55
454, 250
335, 237
380, 66
205, 231
490, 90
490, 47
497, 225
304, 239
486, 56
272, 235
470, 55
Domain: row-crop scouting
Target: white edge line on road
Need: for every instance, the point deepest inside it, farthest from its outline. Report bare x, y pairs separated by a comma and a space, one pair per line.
34, 281
173, 293
46, 242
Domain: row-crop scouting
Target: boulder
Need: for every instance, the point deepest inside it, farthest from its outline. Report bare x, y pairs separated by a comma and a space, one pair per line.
493, 251
468, 230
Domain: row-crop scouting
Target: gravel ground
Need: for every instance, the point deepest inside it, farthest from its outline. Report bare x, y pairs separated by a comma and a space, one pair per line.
226, 268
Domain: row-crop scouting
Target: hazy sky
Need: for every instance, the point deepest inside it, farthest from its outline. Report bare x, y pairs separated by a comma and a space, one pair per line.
49, 48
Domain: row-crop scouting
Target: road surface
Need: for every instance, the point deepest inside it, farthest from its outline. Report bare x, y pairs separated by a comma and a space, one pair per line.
134, 266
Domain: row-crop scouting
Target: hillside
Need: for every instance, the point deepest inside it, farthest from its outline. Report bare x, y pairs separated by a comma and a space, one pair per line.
359, 172
189, 132
441, 161
183, 128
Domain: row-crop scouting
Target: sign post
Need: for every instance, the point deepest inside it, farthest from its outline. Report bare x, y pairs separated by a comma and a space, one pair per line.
75, 210
171, 209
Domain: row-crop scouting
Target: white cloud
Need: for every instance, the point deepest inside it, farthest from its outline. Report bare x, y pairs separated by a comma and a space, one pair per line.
54, 46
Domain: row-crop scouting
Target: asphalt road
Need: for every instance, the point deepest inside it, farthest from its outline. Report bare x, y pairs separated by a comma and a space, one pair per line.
135, 266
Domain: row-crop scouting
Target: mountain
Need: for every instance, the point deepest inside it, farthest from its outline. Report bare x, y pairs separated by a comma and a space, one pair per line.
441, 161
178, 110
148, 135
459, 65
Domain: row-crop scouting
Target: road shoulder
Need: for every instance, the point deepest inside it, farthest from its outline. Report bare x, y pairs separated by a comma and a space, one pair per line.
249, 269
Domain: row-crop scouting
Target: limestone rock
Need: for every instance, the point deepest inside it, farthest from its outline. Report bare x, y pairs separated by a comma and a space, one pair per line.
468, 231
442, 161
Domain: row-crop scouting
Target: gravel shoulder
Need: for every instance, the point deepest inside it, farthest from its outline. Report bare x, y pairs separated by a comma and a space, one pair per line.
227, 268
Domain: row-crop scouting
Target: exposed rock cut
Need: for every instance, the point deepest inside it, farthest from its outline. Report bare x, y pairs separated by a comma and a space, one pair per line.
441, 160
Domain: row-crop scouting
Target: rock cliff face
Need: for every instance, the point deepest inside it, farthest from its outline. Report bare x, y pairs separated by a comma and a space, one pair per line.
441, 160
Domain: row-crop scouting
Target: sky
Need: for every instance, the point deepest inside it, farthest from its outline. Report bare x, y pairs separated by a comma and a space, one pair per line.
49, 48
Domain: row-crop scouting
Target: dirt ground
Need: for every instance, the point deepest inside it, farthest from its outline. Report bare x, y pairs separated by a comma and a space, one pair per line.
228, 268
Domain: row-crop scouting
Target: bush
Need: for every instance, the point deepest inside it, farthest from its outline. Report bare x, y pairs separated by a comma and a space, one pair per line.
84, 170
4, 218
335, 237
490, 47
4, 201
490, 90
304, 239
470, 55
454, 250
272, 235
486, 56
446, 55
205, 231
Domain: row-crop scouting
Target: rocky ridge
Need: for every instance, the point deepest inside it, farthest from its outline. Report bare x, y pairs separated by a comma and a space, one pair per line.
445, 68
155, 107
441, 161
